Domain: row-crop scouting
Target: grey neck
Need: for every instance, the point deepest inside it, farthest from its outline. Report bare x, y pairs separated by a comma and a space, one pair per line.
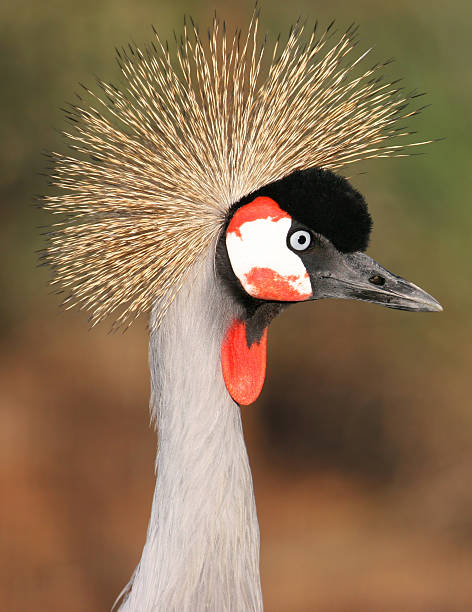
202, 546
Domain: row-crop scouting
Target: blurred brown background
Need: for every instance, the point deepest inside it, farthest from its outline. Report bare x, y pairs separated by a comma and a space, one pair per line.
361, 443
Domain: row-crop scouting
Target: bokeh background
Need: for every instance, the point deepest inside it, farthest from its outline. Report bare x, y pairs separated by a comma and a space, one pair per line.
361, 443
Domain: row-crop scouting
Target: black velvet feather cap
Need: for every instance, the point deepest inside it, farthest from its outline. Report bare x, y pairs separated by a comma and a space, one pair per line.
325, 203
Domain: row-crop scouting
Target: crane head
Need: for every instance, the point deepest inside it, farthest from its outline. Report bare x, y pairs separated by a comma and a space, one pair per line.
300, 238
230, 140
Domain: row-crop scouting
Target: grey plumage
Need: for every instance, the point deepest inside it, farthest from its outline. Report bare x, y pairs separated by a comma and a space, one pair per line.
202, 545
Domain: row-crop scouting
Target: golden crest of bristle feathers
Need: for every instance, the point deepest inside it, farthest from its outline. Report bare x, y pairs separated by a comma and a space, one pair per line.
158, 161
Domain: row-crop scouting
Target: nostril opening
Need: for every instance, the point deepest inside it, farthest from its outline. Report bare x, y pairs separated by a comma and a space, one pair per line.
376, 279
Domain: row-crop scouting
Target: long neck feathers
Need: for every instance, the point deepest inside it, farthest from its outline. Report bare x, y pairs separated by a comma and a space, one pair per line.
202, 546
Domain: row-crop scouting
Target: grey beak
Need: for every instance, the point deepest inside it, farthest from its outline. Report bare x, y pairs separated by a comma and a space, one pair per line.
357, 276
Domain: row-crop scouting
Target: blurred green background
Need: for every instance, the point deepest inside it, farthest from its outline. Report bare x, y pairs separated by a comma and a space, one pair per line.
361, 443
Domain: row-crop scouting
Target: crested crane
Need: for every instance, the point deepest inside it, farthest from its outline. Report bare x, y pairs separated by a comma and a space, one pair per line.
203, 189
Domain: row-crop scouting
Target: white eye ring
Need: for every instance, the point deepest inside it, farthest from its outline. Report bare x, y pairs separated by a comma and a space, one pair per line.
300, 240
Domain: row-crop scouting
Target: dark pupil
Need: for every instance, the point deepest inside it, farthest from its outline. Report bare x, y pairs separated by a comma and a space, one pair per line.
301, 239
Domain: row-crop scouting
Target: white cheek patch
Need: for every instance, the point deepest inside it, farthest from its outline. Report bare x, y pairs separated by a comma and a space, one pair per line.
260, 258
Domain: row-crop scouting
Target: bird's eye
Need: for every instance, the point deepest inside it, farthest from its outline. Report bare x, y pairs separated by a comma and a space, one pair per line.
300, 240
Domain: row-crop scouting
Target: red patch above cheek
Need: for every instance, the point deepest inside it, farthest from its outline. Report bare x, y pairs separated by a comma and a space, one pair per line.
243, 367
267, 284
260, 208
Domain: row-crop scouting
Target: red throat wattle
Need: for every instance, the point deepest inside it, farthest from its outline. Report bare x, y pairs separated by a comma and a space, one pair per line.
243, 367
